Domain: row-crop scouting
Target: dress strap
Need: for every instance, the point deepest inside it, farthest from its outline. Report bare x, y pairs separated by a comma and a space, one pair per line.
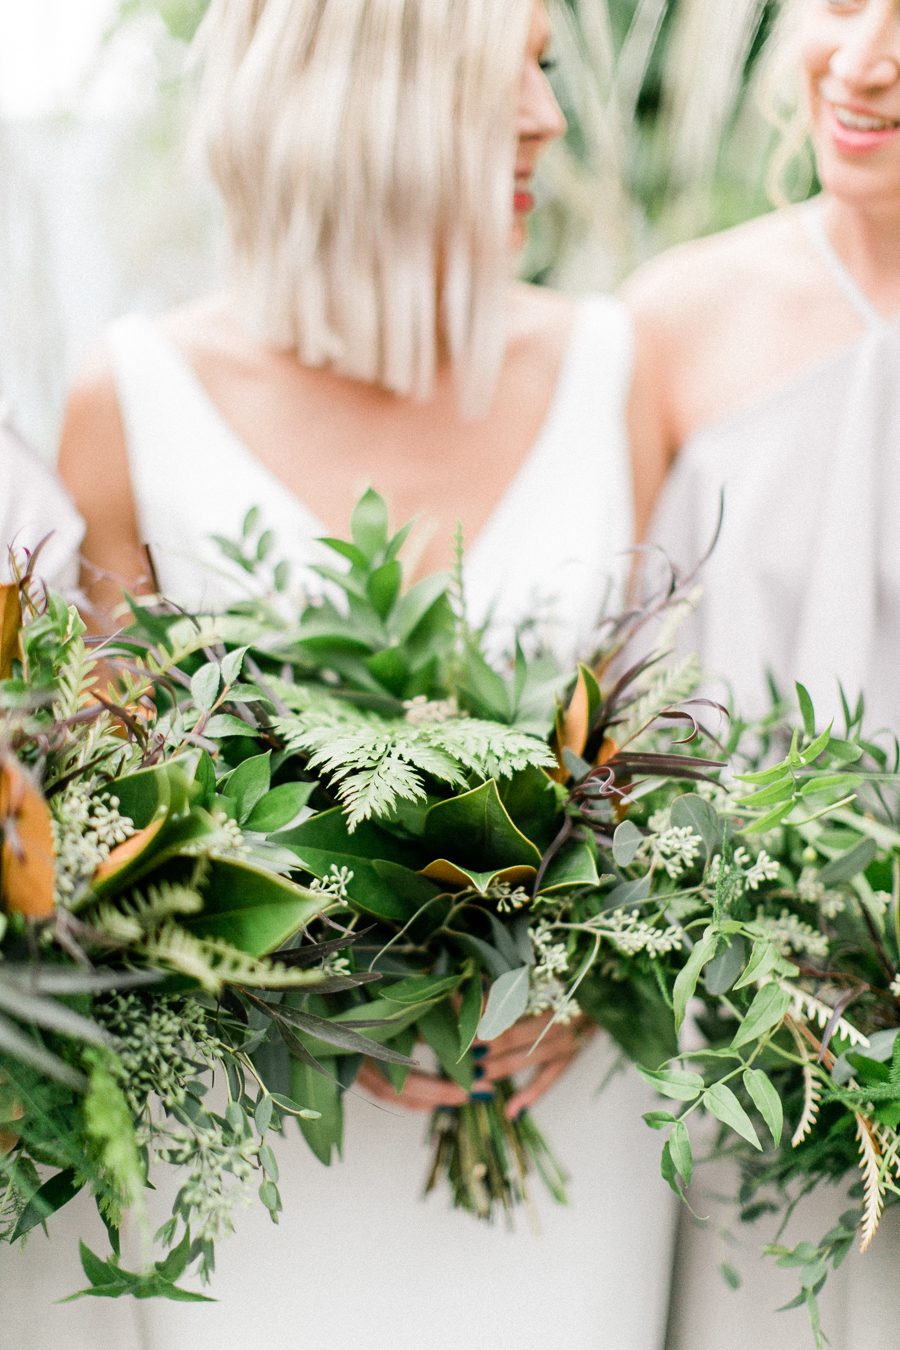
812, 216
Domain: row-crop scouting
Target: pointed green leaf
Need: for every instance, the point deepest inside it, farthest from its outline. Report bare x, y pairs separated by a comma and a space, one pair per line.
680, 1084
686, 982
724, 1105
506, 1003
469, 1014
765, 1098
369, 525
765, 1012
681, 1153
205, 685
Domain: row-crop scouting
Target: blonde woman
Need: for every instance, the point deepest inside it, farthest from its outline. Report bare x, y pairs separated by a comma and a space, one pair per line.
767, 367
375, 158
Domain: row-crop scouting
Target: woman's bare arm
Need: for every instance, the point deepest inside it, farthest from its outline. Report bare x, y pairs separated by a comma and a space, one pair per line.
93, 464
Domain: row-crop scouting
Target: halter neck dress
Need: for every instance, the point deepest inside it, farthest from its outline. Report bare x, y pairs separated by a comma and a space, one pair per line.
805, 578
359, 1258
804, 583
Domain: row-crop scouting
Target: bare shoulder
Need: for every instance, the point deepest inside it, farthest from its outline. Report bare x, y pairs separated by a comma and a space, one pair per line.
686, 290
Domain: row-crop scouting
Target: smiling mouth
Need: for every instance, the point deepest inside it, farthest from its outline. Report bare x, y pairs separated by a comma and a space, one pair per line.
854, 121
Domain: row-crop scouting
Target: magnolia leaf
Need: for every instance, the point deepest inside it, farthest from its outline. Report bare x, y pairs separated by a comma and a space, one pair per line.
573, 726
27, 857
765, 1012
574, 865
253, 910
10, 627
449, 874
476, 831
765, 1098
506, 1003
124, 854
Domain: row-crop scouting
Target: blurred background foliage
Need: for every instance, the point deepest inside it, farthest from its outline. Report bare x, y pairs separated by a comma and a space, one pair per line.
667, 139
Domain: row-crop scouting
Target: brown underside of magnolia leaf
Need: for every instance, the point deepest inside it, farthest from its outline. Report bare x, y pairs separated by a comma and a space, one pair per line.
27, 857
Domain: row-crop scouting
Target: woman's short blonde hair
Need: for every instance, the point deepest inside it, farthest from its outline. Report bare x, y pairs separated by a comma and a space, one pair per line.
365, 152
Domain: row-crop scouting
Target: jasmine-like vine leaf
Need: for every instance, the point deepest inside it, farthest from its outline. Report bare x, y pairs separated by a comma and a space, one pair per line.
765, 1098
680, 1084
724, 1105
765, 1012
680, 1151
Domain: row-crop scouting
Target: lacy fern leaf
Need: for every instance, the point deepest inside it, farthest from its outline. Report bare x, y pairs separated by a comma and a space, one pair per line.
873, 1186
374, 763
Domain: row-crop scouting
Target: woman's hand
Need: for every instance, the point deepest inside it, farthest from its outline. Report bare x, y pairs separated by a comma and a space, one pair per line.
507, 1056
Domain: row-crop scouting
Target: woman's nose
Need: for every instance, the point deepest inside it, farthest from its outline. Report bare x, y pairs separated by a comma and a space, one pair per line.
869, 58
540, 116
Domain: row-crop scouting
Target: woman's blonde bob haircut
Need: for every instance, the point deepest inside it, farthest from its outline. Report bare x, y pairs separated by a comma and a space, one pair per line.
365, 152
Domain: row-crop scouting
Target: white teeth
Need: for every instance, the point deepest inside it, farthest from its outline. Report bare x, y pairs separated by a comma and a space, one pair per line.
857, 122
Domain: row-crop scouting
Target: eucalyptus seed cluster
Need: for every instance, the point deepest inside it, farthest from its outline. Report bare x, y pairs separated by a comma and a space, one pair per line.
160, 1046
630, 935
547, 987
85, 831
221, 1164
674, 848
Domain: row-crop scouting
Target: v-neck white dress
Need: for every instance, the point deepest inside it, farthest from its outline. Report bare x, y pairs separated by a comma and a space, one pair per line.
803, 583
359, 1258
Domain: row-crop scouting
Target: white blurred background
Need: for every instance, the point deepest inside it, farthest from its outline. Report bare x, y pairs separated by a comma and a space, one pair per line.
101, 210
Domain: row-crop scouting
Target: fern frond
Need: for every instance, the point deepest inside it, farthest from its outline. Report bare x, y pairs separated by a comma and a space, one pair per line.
669, 686
74, 679
888, 1142
374, 763
128, 919
873, 1189
812, 1090
813, 1009
214, 963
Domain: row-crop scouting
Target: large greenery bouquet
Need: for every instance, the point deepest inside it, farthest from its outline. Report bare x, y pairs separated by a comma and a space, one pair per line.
294, 838
137, 924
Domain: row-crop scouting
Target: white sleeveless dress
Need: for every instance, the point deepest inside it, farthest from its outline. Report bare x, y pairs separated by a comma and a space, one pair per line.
359, 1258
805, 583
